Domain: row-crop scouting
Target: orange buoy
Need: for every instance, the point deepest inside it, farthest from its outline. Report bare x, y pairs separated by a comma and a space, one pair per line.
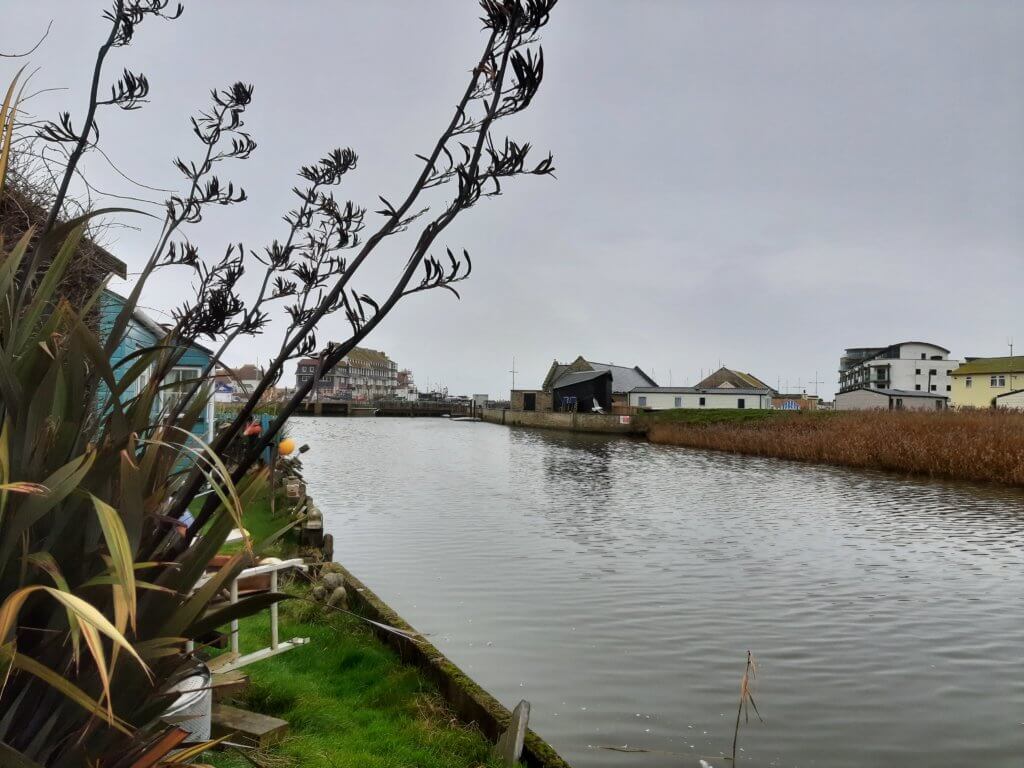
286, 446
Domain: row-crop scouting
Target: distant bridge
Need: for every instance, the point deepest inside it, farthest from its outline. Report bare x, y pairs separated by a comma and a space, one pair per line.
385, 408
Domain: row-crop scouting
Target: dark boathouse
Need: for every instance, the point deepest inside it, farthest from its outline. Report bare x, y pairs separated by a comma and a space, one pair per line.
584, 392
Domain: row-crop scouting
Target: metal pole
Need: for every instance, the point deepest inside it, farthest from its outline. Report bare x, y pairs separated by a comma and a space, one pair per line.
273, 480
273, 612
234, 622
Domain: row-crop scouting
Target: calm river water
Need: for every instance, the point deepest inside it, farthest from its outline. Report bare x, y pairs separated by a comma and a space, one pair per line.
617, 585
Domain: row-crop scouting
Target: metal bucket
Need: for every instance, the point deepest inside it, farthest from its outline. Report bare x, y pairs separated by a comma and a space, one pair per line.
190, 711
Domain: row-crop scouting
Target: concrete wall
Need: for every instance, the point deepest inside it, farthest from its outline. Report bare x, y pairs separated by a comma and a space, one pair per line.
574, 422
471, 703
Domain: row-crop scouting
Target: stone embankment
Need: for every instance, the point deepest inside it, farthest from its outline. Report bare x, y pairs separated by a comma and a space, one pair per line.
574, 422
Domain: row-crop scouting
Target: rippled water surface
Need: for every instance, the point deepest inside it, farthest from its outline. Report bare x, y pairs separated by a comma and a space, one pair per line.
617, 585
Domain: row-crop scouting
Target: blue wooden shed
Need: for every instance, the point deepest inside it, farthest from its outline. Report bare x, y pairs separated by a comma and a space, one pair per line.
143, 331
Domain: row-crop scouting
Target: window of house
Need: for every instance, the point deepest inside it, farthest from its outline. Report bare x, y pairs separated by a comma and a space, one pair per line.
703, 401
679, 402
643, 400
917, 387
933, 388
997, 380
741, 403
949, 388
967, 382
181, 379
923, 357
933, 372
917, 371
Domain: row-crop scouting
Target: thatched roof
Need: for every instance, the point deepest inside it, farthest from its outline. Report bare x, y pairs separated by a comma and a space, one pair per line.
91, 264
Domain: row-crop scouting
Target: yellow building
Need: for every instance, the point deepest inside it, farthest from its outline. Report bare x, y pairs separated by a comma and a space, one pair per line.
978, 382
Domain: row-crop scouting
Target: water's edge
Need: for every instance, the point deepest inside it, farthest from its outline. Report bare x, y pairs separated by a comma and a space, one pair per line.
469, 701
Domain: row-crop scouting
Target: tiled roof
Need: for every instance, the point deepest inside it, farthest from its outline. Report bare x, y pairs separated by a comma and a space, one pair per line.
1013, 364
624, 379
736, 378
248, 371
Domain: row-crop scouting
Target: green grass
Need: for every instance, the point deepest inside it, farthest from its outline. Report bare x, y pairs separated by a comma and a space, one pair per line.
348, 699
725, 415
261, 524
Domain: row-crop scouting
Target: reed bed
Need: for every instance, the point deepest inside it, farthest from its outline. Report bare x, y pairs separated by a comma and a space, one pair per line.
982, 446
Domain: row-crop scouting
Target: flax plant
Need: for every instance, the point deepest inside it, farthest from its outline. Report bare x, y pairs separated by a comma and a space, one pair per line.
92, 628
99, 465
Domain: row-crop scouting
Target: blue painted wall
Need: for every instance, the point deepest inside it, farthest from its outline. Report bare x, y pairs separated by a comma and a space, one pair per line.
143, 332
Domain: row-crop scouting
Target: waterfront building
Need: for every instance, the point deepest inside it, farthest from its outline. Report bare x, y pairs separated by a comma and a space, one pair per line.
982, 382
234, 384
914, 366
531, 400
362, 374
624, 378
144, 332
800, 401
405, 387
728, 378
875, 399
583, 392
730, 397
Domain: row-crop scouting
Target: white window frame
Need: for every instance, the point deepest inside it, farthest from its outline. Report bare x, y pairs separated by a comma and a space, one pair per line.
194, 372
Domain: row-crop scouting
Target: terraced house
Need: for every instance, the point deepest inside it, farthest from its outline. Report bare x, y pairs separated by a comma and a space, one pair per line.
989, 382
363, 374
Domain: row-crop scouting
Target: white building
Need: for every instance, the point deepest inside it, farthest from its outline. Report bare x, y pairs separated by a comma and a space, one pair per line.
1013, 400
665, 398
874, 399
910, 366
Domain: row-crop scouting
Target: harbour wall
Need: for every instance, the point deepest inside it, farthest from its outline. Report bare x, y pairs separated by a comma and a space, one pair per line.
471, 703
575, 422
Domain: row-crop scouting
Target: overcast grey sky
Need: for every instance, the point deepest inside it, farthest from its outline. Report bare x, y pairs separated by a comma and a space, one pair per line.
759, 182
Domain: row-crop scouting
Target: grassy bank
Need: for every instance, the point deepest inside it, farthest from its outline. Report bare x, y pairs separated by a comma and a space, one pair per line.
984, 446
348, 699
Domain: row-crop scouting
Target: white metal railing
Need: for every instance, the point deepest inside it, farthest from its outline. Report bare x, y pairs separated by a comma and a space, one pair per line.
276, 646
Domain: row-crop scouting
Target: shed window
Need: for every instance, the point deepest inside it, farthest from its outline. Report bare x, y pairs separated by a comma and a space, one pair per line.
181, 379
643, 400
703, 401
741, 403
679, 402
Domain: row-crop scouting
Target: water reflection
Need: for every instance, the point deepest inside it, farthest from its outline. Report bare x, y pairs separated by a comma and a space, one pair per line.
618, 585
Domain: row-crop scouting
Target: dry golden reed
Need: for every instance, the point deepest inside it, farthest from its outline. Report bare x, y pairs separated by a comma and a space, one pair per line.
985, 446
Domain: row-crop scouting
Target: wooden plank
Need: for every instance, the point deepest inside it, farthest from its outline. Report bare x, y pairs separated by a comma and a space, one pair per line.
229, 685
247, 727
263, 653
161, 747
510, 744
